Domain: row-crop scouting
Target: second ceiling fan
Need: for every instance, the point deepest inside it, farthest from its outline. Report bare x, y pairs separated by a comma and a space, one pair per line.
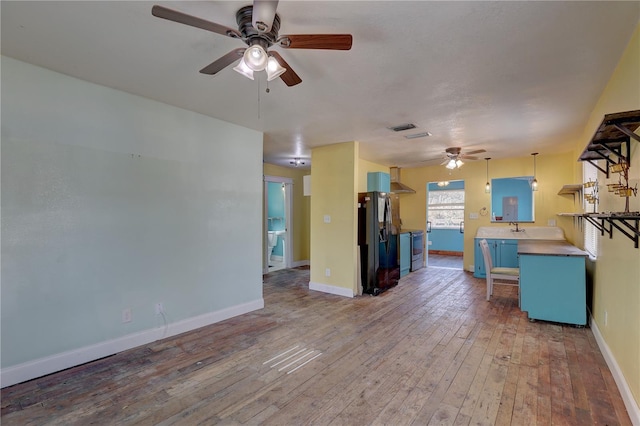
258, 27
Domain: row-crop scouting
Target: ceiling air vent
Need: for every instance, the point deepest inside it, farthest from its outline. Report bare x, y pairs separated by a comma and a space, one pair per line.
418, 135
402, 127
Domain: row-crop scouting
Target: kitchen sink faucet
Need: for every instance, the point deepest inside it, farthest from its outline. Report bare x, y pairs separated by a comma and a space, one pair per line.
517, 229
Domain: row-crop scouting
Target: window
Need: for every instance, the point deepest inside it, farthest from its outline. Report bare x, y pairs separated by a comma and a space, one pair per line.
446, 208
590, 173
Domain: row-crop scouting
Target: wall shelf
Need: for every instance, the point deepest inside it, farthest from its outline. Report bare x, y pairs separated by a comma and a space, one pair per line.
612, 139
572, 190
627, 223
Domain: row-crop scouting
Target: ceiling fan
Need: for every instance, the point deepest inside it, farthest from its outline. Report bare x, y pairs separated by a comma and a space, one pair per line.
454, 156
258, 27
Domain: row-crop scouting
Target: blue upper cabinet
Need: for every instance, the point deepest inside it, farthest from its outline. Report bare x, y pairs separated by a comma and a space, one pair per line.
378, 181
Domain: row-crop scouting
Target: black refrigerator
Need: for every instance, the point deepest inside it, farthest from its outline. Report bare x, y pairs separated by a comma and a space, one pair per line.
377, 242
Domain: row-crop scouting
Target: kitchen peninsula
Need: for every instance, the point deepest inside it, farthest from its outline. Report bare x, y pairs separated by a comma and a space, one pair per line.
553, 281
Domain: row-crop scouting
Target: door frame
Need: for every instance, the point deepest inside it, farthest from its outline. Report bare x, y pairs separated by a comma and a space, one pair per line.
288, 208
464, 216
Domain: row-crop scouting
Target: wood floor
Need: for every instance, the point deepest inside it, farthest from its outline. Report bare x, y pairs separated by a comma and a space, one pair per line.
429, 351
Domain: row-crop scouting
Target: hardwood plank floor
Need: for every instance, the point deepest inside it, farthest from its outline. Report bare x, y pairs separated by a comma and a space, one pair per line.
429, 351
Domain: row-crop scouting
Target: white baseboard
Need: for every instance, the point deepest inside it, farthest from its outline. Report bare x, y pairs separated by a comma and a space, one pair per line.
50, 364
297, 263
331, 289
629, 402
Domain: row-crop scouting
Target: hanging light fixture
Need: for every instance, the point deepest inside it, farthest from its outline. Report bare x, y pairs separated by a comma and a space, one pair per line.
487, 187
534, 182
297, 162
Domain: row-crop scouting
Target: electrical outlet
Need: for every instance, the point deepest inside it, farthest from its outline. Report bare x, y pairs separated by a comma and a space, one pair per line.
126, 315
327, 272
159, 308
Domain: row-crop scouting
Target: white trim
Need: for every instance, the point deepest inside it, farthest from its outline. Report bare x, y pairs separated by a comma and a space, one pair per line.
629, 402
331, 289
50, 364
297, 263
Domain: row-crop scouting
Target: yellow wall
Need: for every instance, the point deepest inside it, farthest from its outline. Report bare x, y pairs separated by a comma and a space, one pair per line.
551, 171
365, 167
617, 267
334, 175
301, 206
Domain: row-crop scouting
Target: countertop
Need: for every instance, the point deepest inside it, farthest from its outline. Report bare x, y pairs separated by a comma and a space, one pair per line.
526, 232
549, 248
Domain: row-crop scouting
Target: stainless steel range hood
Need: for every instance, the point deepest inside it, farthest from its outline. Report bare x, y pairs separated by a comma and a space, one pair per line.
397, 186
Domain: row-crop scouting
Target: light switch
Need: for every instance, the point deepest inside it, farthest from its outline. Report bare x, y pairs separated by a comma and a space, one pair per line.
327, 218
473, 215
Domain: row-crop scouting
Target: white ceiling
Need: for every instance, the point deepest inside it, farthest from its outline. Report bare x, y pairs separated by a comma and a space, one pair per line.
507, 77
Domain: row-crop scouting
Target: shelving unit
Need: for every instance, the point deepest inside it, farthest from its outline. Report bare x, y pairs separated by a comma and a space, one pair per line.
612, 139
611, 143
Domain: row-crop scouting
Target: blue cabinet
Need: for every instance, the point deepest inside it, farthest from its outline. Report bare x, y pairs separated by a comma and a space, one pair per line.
405, 253
378, 181
504, 253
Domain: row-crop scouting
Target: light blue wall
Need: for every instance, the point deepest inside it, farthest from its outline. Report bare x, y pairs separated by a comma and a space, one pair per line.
113, 201
510, 187
446, 240
276, 213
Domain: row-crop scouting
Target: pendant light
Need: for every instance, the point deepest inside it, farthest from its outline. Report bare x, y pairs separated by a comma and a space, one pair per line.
534, 182
487, 187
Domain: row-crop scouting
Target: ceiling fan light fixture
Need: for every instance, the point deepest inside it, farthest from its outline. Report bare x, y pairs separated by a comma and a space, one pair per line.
274, 69
451, 164
243, 69
255, 57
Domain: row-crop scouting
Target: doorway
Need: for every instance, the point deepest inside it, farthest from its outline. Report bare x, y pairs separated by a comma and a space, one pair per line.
277, 247
445, 224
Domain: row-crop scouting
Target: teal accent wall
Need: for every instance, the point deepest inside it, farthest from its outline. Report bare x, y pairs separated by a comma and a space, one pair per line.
510, 187
113, 201
446, 240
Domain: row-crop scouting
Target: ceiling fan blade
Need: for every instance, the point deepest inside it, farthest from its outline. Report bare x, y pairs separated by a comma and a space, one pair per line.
477, 151
289, 77
223, 62
316, 41
468, 157
264, 11
183, 18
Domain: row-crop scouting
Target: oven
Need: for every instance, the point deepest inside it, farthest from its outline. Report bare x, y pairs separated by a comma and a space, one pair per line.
417, 250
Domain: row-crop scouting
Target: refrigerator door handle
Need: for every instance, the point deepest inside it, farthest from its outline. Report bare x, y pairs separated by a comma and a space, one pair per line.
428, 227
